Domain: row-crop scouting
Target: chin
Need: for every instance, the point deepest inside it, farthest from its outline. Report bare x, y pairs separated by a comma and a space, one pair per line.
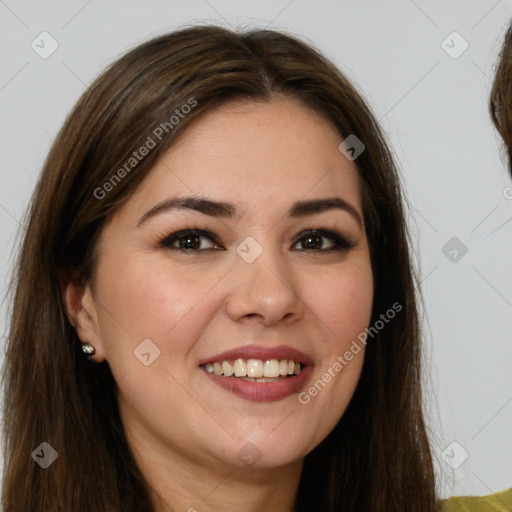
267, 449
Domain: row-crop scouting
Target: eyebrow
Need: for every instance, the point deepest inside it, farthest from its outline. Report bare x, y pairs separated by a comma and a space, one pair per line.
228, 210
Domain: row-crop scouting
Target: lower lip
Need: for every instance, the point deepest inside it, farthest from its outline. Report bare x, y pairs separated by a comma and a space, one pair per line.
262, 391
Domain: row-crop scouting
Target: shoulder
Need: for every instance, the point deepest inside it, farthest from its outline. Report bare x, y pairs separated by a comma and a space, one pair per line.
500, 502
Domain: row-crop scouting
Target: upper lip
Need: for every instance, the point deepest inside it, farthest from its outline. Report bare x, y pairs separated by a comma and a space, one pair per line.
260, 352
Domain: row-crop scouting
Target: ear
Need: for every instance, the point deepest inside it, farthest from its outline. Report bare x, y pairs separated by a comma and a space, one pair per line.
80, 308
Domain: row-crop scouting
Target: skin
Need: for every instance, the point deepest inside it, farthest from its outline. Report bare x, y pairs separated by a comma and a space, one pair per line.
186, 433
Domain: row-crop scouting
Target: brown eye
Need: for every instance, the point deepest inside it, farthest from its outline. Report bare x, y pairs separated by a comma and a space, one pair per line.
314, 240
191, 240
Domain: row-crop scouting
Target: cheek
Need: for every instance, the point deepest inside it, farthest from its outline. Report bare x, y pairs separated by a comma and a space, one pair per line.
148, 301
342, 301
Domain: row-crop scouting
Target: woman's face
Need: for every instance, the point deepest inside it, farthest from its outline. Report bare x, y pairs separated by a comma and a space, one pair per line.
251, 287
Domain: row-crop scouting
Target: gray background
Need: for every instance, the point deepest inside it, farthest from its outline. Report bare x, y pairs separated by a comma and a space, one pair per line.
433, 108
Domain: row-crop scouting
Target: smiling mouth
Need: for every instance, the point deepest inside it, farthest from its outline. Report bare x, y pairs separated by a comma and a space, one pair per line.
255, 370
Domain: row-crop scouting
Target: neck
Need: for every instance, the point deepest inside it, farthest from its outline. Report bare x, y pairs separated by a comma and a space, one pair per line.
180, 483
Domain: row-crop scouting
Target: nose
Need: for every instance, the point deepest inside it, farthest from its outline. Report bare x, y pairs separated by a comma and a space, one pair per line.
264, 291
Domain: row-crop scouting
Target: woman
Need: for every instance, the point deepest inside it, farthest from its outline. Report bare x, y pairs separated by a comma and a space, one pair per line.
215, 305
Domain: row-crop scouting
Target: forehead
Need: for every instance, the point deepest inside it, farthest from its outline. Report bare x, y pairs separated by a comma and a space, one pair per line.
259, 155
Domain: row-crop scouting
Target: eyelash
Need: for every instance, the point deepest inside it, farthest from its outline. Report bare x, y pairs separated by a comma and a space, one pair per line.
340, 242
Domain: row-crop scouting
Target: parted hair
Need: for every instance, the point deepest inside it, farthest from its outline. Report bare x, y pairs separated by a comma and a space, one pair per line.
376, 459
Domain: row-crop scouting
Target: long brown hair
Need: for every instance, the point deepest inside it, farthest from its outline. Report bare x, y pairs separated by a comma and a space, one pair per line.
500, 102
376, 459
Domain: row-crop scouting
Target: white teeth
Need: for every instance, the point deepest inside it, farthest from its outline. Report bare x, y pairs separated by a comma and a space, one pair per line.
271, 368
254, 368
240, 368
227, 369
263, 379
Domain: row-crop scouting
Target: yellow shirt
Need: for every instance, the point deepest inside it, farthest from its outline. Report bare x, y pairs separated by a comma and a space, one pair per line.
501, 502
